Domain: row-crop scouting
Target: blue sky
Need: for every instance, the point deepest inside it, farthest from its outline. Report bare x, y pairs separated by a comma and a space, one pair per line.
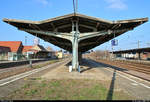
107, 9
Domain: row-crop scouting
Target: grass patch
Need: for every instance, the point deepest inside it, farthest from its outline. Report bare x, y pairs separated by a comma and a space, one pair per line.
43, 85
66, 89
56, 83
26, 86
31, 92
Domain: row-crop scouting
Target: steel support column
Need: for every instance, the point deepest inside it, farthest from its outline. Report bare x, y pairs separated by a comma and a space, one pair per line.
75, 62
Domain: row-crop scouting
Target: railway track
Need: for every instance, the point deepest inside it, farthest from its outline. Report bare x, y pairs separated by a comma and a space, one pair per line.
141, 68
135, 63
144, 68
11, 69
13, 78
7, 72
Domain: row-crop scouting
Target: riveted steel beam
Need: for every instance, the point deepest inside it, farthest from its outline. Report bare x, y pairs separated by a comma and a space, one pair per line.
83, 36
90, 27
63, 26
67, 36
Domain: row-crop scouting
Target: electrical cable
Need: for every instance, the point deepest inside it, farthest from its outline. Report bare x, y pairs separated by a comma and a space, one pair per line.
74, 7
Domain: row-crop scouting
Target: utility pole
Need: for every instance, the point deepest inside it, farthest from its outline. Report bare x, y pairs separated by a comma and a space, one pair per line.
138, 48
25, 40
138, 44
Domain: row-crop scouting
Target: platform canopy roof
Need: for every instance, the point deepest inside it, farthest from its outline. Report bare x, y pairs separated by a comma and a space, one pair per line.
93, 31
132, 50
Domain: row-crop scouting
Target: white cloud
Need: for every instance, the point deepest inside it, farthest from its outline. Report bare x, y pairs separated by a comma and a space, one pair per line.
44, 2
116, 4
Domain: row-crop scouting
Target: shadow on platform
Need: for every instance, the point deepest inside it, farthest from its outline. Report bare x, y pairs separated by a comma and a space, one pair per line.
88, 64
84, 65
92, 64
111, 88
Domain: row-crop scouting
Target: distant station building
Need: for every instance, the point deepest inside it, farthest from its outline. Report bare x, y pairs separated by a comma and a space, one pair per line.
60, 54
52, 53
38, 51
140, 53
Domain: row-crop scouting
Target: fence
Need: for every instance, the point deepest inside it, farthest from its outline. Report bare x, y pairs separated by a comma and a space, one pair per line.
10, 56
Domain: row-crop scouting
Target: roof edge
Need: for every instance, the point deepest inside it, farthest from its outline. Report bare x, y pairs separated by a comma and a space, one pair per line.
56, 18
20, 21
132, 20
77, 14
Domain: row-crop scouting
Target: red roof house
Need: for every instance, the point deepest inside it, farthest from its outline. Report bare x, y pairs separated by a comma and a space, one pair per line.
4, 49
26, 48
15, 46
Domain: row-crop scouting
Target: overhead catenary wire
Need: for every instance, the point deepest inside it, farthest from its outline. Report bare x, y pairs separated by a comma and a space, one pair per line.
75, 6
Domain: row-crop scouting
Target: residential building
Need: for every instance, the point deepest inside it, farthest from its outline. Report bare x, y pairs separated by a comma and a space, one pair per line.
15, 47
4, 52
14, 50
